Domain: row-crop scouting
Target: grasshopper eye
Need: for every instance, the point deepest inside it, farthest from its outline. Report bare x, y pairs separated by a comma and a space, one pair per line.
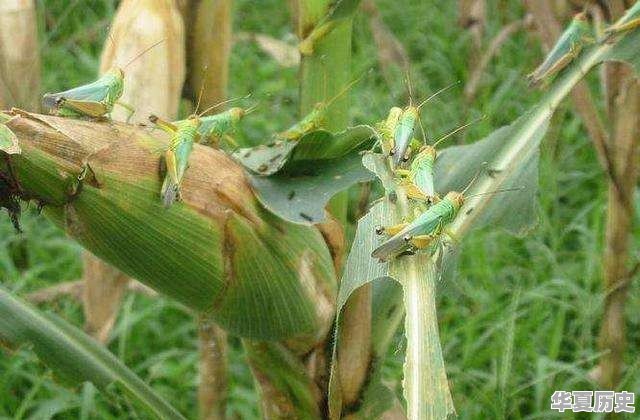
405, 158
406, 238
392, 151
379, 230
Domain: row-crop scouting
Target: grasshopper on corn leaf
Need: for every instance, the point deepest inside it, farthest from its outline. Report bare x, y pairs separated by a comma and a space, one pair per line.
419, 179
422, 231
577, 35
214, 128
426, 227
405, 127
315, 119
95, 99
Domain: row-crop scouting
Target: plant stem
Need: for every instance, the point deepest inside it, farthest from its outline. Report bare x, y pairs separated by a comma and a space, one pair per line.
19, 55
623, 100
323, 75
213, 387
209, 49
208, 53
425, 385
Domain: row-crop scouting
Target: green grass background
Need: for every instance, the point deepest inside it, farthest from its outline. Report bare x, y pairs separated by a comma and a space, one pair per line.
519, 320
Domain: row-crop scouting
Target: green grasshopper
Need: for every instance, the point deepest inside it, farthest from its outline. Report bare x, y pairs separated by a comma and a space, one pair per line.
404, 129
8, 140
629, 21
315, 119
419, 180
426, 227
95, 99
215, 127
577, 35
423, 230
387, 127
184, 134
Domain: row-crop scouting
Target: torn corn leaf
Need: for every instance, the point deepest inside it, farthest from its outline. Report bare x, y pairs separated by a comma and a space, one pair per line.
73, 355
515, 211
301, 198
361, 269
295, 180
281, 155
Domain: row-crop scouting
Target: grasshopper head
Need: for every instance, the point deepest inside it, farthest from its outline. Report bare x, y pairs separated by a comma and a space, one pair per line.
194, 119
236, 114
410, 114
51, 101
456, 198
582, 17
117, 72
427, 151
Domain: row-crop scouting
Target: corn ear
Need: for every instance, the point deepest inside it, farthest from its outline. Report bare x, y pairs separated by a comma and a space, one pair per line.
217, 251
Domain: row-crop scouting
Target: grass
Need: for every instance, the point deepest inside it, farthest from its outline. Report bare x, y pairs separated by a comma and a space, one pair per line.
521, 316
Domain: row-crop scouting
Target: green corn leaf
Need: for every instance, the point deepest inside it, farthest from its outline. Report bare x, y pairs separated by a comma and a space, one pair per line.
513, 210
73, 355
295, 180
317, 145
8, 141
303, 198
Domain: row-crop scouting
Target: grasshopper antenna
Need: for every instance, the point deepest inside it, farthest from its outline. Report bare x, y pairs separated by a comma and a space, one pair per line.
444, 89
475, 177
521, 188
346, 88
200, 93
409, 86
224, 102
143, 52
454, 131
251, 108
424, 133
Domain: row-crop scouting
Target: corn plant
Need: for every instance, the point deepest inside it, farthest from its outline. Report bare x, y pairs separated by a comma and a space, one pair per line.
249, 242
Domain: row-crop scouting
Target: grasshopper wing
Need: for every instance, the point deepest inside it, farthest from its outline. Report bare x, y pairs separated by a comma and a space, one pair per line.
427, 223
92, 109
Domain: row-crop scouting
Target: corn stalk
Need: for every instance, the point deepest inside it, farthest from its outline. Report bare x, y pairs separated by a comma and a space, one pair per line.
19, 55
623, 105
209, 49
324, 74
